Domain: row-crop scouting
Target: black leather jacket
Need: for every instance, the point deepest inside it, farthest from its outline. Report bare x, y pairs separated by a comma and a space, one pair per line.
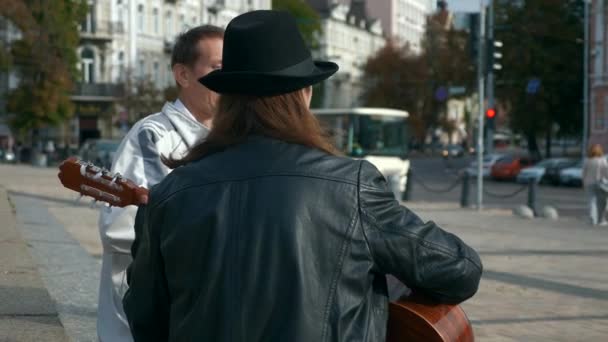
269, 241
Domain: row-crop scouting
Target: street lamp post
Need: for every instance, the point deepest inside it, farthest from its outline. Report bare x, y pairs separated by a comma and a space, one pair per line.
586, 80
480, 130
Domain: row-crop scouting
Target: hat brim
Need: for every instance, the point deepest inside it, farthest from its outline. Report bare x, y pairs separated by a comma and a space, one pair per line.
266, 83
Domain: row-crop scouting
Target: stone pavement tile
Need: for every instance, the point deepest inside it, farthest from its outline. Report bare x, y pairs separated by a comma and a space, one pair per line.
31, 329
81, 224
27, 312
543, 280
70, 274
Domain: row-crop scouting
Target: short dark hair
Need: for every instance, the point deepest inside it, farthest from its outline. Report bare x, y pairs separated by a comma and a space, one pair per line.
185, 51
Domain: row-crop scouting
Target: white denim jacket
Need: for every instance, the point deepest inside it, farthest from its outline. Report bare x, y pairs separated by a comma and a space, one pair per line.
169, 133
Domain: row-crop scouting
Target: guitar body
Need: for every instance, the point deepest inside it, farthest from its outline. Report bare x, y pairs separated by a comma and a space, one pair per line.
410, 319
415, 319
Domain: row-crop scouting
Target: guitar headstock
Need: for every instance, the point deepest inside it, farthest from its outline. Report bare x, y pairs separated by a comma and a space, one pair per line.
101, 184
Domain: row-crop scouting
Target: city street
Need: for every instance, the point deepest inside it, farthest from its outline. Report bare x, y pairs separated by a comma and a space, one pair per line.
543, 280
395, 82
438, 174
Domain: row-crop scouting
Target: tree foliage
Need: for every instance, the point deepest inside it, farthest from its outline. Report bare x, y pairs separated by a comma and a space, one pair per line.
45, 58
141, 97
398, 78
542, 40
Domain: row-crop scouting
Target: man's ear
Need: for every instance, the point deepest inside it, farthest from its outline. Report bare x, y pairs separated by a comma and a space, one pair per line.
181, 75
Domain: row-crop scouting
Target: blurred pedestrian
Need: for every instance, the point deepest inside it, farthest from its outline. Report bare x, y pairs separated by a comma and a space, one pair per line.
595, 176
169, 133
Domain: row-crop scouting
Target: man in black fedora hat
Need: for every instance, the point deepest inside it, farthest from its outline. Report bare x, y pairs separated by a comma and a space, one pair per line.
263, 232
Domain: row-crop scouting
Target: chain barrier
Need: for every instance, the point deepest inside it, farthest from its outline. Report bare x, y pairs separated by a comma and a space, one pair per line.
438, 191
509, 195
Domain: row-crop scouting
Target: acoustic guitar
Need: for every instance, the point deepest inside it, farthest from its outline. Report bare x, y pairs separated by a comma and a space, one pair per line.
410, 319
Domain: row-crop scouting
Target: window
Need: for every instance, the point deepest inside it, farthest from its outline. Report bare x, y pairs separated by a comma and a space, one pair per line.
121, 66
155, 20
88, 25
169, 24
182, 20
156, 74
141, 72
120, 11
193, 21
601, 115
169, 74
87, 65
140, 18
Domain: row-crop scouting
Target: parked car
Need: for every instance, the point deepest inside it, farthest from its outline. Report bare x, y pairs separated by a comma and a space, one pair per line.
99, 151
7, 156
545, 170
452, 151
507, 168
486, 166
572, 176
552, 173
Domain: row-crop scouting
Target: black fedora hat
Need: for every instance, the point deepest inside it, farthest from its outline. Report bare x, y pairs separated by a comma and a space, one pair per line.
264, 55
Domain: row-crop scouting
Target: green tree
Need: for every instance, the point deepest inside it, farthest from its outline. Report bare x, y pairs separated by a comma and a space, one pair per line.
140, 97
448, 61
45, 58
308, 19
542, 40
397, 78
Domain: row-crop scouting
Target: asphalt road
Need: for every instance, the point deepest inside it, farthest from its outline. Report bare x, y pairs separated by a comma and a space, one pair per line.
432, 176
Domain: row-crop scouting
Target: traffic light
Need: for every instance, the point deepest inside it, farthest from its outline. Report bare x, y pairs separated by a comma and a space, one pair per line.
494, 55
490, 116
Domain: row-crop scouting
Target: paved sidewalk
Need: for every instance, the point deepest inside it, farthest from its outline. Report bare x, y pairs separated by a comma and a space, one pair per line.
543, 280
27, 312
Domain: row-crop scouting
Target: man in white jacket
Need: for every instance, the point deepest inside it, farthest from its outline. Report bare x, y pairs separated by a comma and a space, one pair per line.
169, 133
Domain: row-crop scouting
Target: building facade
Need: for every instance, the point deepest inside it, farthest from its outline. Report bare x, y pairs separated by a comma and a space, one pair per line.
598, 72
8, 80
403, 21
123, 39
349, 37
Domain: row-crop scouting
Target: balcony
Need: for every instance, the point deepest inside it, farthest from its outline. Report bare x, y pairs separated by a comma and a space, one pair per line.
101, 30
216, 7
168, 46
97, 92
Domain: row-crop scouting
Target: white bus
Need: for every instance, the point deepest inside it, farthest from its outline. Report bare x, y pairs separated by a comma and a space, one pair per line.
379, 135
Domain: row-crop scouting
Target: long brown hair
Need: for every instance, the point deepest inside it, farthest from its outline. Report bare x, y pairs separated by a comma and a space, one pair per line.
284, 117
595, 151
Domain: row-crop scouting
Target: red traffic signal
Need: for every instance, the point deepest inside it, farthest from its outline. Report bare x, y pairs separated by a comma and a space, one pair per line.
490, 113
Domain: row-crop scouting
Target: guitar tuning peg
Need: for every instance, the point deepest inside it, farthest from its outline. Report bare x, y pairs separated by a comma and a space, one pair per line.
108, 208
93, 204
77, 200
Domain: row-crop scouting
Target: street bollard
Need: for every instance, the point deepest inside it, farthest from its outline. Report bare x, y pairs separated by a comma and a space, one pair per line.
532, 187
464, 193
407, 194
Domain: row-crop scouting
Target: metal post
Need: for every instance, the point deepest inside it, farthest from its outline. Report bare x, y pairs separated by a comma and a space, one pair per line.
407, 194
532, 185
490, 81
464, 193
586, 81
480, 130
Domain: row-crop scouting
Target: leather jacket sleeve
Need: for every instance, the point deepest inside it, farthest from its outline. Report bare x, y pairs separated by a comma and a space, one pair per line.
420, 254
146, 303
